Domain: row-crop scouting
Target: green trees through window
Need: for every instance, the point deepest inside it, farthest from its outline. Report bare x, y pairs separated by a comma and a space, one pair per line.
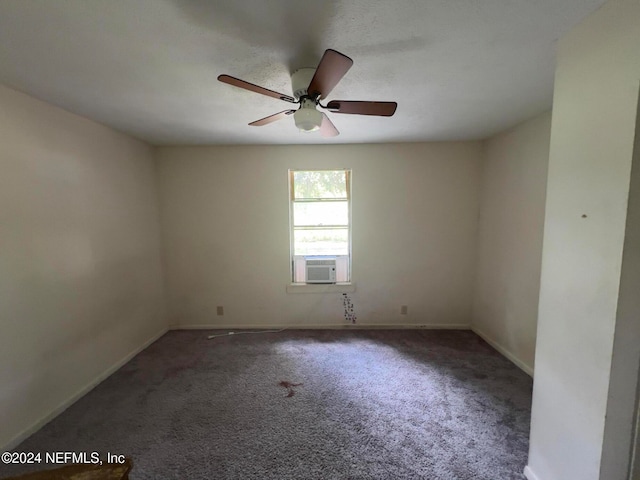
320, 212
316, 184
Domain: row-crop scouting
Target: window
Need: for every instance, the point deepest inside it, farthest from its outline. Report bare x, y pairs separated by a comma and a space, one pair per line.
320, 219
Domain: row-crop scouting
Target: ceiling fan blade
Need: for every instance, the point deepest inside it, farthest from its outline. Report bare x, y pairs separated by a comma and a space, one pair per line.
382, 109
236, 82
272, 118
330, 71
327, 128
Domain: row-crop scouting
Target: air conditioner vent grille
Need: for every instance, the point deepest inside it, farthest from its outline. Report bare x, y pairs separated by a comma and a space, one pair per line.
321, 262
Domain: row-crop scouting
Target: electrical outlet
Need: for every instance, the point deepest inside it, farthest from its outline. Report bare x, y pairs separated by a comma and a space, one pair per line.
220, 310
404, 309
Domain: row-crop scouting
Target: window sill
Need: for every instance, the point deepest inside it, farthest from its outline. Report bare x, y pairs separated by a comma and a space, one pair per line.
321, 288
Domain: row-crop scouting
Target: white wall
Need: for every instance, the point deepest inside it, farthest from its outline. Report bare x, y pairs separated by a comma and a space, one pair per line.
512, 199
226, 234
80, 271
583, 306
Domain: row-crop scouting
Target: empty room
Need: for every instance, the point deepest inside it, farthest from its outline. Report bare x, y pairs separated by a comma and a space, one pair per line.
275, 239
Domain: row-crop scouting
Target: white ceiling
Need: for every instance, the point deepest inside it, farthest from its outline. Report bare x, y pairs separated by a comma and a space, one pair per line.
459, 69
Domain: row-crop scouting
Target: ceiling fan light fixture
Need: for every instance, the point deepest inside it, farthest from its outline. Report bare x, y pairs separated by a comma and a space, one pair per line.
308, 119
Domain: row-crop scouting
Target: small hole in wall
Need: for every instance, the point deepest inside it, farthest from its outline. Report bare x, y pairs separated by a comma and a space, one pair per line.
584, 215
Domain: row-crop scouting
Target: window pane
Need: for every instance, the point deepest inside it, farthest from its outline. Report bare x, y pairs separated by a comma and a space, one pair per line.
321, 213
321, 242
320, 184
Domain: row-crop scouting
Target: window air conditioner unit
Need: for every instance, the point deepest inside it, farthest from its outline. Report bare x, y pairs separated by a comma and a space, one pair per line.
320, 270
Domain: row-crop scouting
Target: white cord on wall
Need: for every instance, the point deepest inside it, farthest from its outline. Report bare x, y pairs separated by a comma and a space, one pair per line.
242, 333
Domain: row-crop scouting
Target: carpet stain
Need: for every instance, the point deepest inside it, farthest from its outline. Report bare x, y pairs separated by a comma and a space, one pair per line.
289, 386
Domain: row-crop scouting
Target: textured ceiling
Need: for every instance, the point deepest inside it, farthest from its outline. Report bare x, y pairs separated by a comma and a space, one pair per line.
459, 69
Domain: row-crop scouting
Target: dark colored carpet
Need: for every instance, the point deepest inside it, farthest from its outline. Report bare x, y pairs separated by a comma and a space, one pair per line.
374, 404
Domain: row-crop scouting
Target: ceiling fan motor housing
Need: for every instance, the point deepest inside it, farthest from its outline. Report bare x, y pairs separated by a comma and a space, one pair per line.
300, 80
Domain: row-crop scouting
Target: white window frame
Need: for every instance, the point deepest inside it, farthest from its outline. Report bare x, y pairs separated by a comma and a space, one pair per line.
297, 262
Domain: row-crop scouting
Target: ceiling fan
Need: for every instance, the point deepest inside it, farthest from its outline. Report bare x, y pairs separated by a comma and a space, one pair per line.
310, 85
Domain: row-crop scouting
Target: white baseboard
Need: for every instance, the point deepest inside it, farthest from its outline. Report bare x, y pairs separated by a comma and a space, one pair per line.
324, 326
24, 434
519, 363
529, 473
